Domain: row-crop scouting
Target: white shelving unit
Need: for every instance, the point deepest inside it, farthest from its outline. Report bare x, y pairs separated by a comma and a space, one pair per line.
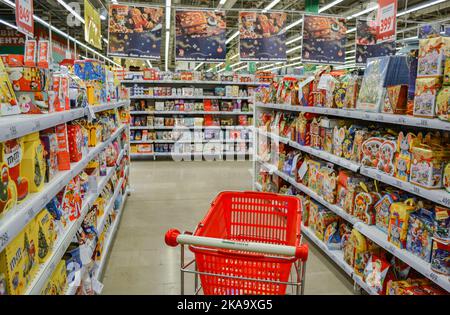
15, 220
203, 84
438, 196
369, 116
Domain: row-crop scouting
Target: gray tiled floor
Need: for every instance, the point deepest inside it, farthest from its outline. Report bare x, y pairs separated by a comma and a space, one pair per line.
177, 195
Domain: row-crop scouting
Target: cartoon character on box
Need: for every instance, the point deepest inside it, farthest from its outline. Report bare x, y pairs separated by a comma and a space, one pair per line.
33, 102
347, 144
425, 96
71, 201
313, 174
8, 190
358, 140
403, 156
440, 259
443, 102
360, 252
376, 273
33, 163
398, 222
370, 148
364, 206
315, 134
427, 166
442, 223
27, 79
420, 233
329, 184
338, 140
382, 211
11, 154
386, 157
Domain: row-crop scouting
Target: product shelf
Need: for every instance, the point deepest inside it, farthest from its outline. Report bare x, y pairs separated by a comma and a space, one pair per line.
64, 241
360, 282
193, 141
181, 97
194, 112
16, 219
137, 81
440, 196
16, 126
109, 207
336, 209
404, 120
180, 128
415, 262
353, 166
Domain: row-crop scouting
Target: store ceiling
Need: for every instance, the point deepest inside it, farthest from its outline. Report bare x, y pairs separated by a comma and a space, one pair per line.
406, 26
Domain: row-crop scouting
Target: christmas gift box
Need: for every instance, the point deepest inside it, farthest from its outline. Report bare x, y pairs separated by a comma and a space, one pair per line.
370, 97
427, 166
431, 56
425, 96
398, 222
395, 99
443, 103
420, 232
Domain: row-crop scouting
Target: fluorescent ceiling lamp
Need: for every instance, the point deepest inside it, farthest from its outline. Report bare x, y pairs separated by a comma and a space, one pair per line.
294, 40
293, 49
332, 4
72, 11
351, 30
408, 39
349, 57
199, 65
350, 51
270, 65
149, 63
420, 6
221, 4
102, 17
232, 37
271, 5
295, 58
369, 9
220, 64
8, 24
237, 63
240, 68
293, 24
232, 57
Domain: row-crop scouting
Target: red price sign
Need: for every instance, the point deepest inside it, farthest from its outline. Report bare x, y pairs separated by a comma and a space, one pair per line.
387, 20
24, 17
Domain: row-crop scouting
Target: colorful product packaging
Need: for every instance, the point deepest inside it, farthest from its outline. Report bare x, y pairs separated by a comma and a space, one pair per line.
425, 96
427, 166
8, 100
46, 235
33, 165
398, 222
50, 143
420, 232
431, 56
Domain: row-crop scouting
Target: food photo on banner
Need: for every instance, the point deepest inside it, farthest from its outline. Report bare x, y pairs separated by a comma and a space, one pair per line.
135, 31
367, 45
261, 36
324, 39
92, 25
200, 35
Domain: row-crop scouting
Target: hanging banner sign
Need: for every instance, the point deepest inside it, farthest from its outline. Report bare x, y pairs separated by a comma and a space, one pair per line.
24, 17
92, 25
324, 39
135, 31
262, 37
387, 20
200, 35
367, 45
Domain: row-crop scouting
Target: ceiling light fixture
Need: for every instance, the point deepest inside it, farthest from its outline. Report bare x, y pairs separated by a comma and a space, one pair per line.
419, 7
332, 4
294, 40
232, 37
293, 49
8, 24
72, 11
367, 10
199, 65
270, 6
166, 54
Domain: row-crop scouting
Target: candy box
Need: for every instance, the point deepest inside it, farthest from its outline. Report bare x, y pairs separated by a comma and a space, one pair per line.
371, 93
28, 79
8, 100
427, 166
364, 206
313, 175
443, 103
376, 274
395, 99
358, 139
398, 222
382, 211
420, 233
339, 135
431, 56
425, 96
75, 140
18, 262
33, 102
8, 190
360, 254
314, 132
441, 223
73, 262
324, 218
402, 159
46, 235
329, 180
370, 151
386, 155
440, 259
63, 149
33, 165
11, 155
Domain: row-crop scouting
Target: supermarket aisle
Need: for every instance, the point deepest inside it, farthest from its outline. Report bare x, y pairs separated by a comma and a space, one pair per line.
167, 195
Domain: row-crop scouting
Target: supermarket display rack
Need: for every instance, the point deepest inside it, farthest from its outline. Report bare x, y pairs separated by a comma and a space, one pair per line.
15, 220
190, 83
439, 196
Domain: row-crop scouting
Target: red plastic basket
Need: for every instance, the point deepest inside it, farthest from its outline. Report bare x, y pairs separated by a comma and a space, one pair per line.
253, 217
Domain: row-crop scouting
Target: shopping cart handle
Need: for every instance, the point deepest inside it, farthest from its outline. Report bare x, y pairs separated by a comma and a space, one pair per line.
173, 237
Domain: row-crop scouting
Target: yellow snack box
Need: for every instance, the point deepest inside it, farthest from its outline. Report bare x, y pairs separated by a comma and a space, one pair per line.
33, 164
46, 235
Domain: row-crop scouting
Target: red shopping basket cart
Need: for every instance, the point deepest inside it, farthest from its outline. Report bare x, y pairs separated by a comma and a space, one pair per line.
246, 244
